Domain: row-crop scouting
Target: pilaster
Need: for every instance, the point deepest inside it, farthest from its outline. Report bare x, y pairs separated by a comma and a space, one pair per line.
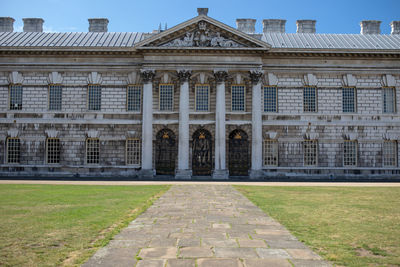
183, 171
220, 171
147, 124
256, 126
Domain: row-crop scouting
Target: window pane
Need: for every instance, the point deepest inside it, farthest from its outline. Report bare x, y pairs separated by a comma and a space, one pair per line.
55, 97
348, 99
310, 152
94, 95
202, 94
390, 153
166, 97
16, 97
238, 97
92, 151
13, 150
134, 98
270, 99
388, 99
133, 152
53, 150
350, 153
270, 153
309, 99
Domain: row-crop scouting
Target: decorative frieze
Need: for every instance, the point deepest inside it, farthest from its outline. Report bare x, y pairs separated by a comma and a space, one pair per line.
147, 75
388, 80
271, 79
220, 76
13, 133
202, 36
94, 78
349, 80
52, 133
256, 75
184, 75
15, 78
132, 78
55, 78
310, 80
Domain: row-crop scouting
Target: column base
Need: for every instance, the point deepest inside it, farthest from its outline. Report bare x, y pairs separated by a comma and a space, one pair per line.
256, 174
220, 175
183, 174
146, 174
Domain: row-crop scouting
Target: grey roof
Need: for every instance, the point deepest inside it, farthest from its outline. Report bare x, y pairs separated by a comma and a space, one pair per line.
69, 39
332, 41
129, 39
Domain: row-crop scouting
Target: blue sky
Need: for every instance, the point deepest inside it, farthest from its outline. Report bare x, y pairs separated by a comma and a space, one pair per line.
333, 16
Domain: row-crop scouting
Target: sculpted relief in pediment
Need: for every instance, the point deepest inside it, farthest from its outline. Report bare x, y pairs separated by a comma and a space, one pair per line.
202, 37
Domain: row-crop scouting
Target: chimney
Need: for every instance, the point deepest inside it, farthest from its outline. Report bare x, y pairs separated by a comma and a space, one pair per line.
202, 11
370, 27
6, 24
306, 26
274, 25
33, 24
395, 27
98, 25
246, 25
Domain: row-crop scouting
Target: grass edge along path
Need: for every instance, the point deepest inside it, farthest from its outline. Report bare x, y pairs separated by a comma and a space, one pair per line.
64, 225
77, 258
346, 226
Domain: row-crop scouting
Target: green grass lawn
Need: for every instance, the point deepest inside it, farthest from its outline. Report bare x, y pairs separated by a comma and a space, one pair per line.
351, 226
53, 225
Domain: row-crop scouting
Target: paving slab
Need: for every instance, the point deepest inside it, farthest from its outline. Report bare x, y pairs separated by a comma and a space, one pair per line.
204, 225
266, 263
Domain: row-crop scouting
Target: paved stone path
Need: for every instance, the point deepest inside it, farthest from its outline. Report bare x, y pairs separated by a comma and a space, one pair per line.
204, 225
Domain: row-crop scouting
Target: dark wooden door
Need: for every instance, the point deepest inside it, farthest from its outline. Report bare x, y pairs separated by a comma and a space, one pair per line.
202, 153
238, 153
166, 151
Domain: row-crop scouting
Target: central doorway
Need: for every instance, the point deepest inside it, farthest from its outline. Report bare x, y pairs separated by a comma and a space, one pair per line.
166, 151
201, 153
238, 153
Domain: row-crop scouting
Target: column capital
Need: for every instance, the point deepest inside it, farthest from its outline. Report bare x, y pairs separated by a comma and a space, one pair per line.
184, 75
220, 75
147, 75
255, 76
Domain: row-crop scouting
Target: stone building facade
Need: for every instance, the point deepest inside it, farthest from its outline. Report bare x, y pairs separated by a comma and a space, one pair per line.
200, 99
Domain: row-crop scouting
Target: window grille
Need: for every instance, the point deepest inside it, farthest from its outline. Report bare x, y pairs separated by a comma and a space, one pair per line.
390, 153
310, 152
202, 97
134, 97
53, 150
13, 150
310, 99
94, 97
270, 153
92, 151
270, 99
166, 97
348, 99
389, 100
238, 97
16, 93
55, 97
350, 153
133, 151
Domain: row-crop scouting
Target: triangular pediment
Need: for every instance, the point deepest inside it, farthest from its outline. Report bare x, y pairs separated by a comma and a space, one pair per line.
202, 32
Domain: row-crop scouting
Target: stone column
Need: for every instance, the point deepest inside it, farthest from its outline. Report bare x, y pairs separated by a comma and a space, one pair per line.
220, 171
147, 124
183, 172
256, 126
